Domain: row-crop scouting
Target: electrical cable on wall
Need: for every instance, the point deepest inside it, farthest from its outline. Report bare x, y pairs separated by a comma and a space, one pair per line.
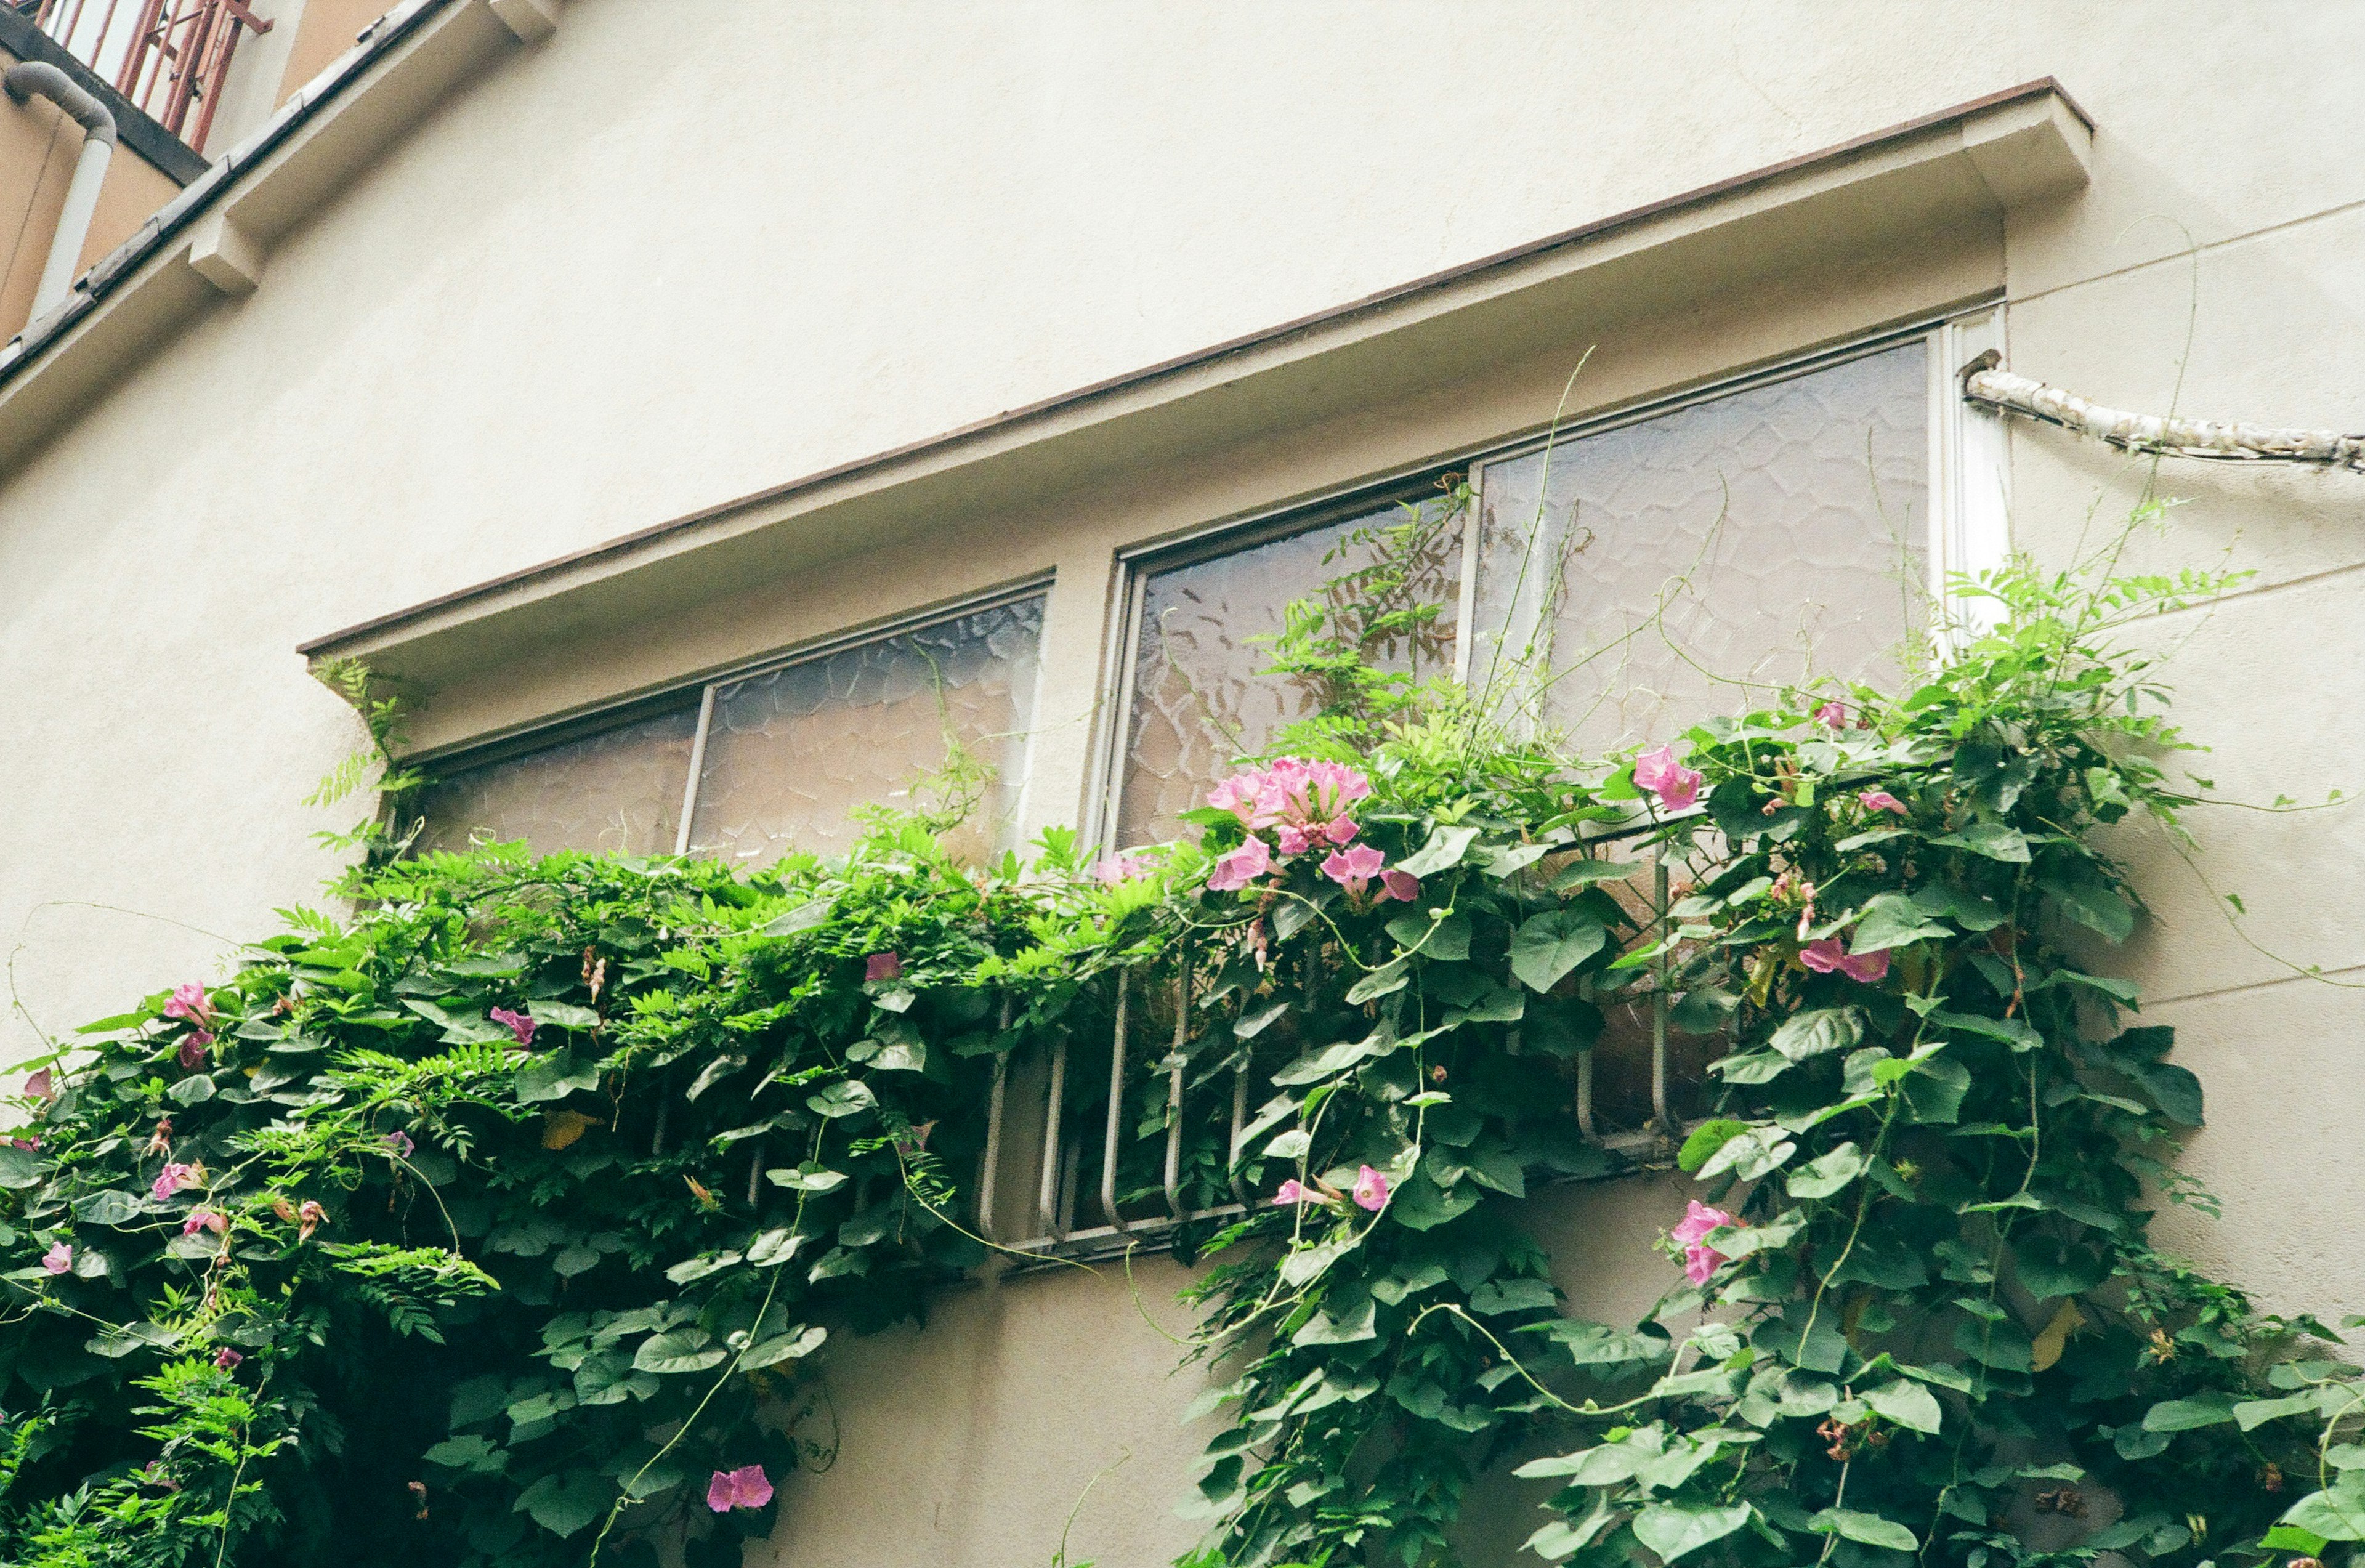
1991, 387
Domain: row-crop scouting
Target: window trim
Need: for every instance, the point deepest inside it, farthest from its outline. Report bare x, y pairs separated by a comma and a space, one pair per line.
1966, 513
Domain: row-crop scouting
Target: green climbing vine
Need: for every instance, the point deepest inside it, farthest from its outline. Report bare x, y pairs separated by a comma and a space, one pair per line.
508, 1220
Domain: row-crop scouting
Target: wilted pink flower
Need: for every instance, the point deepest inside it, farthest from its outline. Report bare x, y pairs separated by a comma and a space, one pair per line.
1117, 868
311, 1216
203, 1219
171, 1180
1700, 1260
1880, 801
746, 1487
161, 1140
1833, 713
516, 1023
193, 1049
189, 1004
1242, 865
1370, 1189
1400, 885
1353, 869
40, 1086
884, 966
1295, 1192
227, 1358
400, 1143
1828, 957
26, 1143
57, 1258
1659, 772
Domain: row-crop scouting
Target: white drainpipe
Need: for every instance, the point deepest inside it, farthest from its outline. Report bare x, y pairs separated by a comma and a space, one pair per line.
33, 79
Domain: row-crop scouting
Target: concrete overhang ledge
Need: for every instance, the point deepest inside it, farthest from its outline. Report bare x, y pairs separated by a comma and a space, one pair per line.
1965, 166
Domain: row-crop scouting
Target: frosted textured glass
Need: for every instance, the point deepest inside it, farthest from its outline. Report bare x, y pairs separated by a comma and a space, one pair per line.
792, 752
1769, 534
617, 793
1198, 702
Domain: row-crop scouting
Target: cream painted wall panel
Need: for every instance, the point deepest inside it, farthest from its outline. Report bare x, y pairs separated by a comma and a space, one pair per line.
2269, 682
2266, 678
2277, 1064
968, 1445
2268, 328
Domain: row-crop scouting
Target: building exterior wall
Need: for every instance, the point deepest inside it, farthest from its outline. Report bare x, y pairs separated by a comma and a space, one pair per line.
649, 266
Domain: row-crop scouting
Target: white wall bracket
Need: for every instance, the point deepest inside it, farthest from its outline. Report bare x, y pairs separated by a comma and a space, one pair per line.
224, 254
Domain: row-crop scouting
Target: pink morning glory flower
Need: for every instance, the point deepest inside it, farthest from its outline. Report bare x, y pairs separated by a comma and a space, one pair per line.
1351, 868
189, 1004
1293, 840
516, 1023
882, 967
57, 1258
1115, 869
400, 1144
1833, 715
1700, 1260
1880, 801
1828, 957
203, 1219
1400, 885
1370, 1189
1294, 1192
1242, 865
227, 1358
192, 1053
746, 1487
40, 1087
1659, 772
171, 1180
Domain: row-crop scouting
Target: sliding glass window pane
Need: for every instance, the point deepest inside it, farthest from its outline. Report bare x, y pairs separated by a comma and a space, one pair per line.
1683, 565
617, 793
794, 752
1198, 700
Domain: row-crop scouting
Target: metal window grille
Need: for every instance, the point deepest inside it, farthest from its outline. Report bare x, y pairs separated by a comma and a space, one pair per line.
1091, 1189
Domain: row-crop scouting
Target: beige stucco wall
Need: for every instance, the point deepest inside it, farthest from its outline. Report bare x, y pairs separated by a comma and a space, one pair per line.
644, 268
38, 146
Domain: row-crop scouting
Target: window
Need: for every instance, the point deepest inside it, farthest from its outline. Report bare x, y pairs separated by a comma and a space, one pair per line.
1676, 560
1195, 700
784, 756
617, 791
1667, 567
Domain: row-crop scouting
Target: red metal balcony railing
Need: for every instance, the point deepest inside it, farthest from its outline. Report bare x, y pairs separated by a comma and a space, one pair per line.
168, 58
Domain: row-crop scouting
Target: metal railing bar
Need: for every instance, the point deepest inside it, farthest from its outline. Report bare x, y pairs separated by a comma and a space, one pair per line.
1046, 1200
1174, 1094
1659, 1002
992, 1159
1116, 1106
1239, 1122
1584, 1094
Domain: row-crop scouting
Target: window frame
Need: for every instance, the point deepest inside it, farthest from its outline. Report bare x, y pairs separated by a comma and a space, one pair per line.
1968, 514
674, 696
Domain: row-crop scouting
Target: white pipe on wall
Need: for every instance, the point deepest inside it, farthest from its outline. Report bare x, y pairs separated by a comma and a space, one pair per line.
33, 79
